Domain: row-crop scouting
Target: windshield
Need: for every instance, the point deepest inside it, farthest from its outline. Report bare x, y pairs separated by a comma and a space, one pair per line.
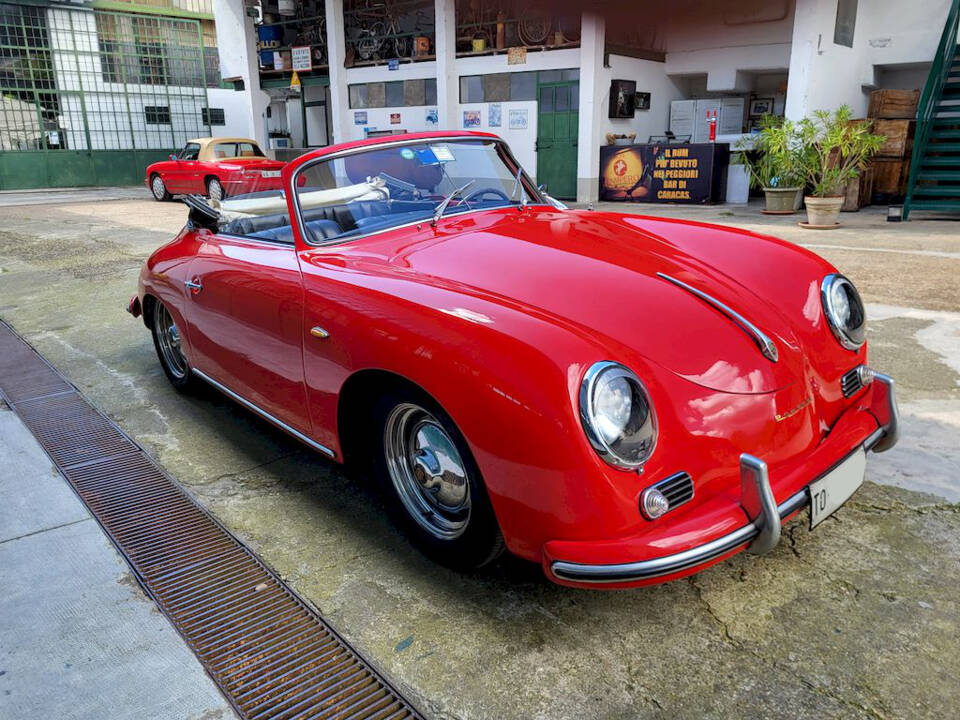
385, 187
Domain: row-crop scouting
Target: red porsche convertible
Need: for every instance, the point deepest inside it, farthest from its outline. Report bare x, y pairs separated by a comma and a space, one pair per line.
215, 167
623, 399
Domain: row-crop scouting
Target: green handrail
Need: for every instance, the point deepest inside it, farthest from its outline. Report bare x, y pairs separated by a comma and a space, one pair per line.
932, 91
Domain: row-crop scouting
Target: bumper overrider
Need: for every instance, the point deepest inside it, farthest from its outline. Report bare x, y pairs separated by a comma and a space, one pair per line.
761, 532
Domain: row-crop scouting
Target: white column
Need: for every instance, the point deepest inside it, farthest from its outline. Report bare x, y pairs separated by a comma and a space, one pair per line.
824, 75
341, 117
592, 33
448, 82
237, 47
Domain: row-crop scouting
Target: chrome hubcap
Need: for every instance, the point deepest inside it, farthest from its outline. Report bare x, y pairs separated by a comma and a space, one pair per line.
168, 337
427, 471
158, 187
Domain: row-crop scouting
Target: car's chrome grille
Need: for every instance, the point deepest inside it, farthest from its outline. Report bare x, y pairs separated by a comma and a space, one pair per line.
678, 489
851, 383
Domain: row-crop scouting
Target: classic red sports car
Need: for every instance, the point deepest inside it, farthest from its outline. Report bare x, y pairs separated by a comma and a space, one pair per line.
215, 167
622, 399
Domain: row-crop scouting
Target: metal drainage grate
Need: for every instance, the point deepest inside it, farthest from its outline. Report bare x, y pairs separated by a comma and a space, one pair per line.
270, 653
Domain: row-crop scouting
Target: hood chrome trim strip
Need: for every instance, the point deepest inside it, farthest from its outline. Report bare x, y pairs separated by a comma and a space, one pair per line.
766, 345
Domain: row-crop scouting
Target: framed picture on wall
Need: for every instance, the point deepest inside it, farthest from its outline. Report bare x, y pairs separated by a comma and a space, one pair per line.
761, 106
622, 98
642, 101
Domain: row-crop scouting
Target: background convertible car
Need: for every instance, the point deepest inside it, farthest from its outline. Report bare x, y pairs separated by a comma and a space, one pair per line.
215, 167
622, 399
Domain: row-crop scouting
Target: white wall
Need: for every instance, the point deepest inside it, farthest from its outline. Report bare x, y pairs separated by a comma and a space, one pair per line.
521, 142
235, 112
650, 77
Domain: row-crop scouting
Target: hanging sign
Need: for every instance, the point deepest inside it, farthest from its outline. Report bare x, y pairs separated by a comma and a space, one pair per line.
300, 58
295, 81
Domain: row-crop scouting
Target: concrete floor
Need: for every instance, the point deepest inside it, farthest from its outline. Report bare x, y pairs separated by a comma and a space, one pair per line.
858, 619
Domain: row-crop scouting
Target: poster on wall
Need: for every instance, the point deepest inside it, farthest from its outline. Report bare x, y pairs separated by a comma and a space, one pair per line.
301, 59
431, 118
471, 118
518, 119
661, 173
360, 117
394, 118
517, 56
495, 115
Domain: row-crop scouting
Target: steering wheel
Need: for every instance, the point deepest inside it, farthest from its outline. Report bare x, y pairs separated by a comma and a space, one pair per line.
479, 193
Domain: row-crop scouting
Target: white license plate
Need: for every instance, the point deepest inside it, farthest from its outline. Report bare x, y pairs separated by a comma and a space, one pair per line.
835, 488
270, 173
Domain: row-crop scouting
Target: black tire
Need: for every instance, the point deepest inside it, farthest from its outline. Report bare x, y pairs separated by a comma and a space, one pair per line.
178, 373
158, 188
480, 542
215, 189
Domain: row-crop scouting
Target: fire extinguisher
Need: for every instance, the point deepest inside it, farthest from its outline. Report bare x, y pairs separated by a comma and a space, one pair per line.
712, 120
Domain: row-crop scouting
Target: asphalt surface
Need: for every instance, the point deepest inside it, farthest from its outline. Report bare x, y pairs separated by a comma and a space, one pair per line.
859, 618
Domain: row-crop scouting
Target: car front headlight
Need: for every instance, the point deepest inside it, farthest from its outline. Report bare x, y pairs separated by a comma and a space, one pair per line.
844, 310
617, 415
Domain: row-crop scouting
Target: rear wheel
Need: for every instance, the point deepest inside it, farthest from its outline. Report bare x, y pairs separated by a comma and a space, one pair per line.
167, 341
215, 190
432, 483
158, 188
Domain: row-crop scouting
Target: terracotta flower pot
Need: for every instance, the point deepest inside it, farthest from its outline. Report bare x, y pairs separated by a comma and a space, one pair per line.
823, 211
781, 200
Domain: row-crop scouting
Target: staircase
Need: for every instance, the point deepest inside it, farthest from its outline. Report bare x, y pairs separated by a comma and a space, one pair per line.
934, 182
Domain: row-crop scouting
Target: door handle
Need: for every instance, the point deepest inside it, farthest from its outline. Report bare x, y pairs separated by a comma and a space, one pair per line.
194, 285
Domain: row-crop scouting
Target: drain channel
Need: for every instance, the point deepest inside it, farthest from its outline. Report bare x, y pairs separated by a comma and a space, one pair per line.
271, 654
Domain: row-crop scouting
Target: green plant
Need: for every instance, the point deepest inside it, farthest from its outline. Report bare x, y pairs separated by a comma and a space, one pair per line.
777, 158
835, 149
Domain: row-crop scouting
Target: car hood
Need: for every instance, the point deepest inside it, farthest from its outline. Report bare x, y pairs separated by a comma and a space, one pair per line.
601, 273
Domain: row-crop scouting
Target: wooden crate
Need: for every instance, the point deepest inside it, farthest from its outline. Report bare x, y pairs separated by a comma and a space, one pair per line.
859, 191
892, 104
899, 135
889, 178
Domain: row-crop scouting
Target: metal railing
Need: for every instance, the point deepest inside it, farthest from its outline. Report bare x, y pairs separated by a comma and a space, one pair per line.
929, 100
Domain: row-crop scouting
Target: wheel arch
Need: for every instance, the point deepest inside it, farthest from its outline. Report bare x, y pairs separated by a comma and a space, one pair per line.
148, 302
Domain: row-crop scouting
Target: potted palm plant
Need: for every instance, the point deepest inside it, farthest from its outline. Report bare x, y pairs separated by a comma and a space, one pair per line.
776, 164
835, 149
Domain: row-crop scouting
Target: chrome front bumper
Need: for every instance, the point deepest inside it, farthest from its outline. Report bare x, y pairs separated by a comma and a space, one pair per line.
762, 534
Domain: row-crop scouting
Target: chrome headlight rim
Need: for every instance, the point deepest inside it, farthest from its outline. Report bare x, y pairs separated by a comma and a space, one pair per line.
588, 386
849, 338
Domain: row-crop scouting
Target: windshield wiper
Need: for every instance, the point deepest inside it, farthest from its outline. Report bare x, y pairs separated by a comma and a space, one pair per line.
438, 213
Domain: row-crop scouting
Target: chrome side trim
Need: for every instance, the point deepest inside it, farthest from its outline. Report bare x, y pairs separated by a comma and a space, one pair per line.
264, 414
757, 499
766, 345
890, 433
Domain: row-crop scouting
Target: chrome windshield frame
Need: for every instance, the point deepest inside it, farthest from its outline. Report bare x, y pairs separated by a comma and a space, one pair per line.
529, 185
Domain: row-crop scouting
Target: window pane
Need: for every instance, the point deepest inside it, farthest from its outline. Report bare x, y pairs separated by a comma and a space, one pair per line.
523, 86
413, 93
563, 99
430, 91
550, 76
393, 95
376, 95
496, 87
572, 74
575, 97
358, 96
471, 89
546, 99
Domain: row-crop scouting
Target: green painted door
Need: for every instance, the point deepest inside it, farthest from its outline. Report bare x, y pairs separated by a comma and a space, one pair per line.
557, 111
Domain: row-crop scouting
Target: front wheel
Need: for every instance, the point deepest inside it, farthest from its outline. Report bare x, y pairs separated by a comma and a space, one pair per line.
158, 188
166, 340
433, 485
215, 190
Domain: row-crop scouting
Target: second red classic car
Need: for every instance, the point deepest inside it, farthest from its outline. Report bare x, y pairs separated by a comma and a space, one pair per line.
216, 168
622, 399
